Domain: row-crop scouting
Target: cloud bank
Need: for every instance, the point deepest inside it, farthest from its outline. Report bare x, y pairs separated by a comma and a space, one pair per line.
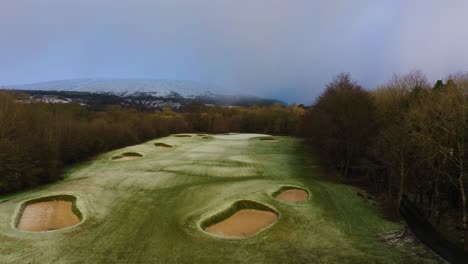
271, 48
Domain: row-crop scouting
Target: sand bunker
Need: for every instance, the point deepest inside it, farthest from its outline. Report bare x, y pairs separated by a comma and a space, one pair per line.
162, 145
240, 221
49, 213
127, 156
182, 135
293, 195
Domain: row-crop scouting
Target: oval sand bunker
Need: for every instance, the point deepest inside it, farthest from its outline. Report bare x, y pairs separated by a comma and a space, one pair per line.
293, 195
162, 145
49, 213
127, 156
243, 222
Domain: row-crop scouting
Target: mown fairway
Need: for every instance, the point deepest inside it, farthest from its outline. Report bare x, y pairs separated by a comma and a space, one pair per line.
148, 210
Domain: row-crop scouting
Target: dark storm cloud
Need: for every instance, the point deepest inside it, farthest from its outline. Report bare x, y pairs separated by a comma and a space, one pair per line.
270, 48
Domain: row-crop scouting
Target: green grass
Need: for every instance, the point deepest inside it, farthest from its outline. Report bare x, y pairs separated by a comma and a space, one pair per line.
267, 138
150, 210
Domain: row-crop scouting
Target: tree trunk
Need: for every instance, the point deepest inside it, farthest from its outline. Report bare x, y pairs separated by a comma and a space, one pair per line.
436, 200
402, 184
463, 196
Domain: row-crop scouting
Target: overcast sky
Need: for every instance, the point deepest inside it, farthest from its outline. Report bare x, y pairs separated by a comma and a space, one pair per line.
287, 49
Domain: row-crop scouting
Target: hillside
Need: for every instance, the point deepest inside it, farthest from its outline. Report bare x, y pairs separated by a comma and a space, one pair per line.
175, 90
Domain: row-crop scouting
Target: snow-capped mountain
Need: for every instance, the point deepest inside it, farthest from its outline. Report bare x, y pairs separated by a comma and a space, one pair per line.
160, 88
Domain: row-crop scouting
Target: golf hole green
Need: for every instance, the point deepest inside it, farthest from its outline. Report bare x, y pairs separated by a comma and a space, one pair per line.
127, 156
242, 219
48, 213
292, 194
162, 145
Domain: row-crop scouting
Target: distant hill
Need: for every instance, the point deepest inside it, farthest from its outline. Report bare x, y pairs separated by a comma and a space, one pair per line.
161, 88
176, 90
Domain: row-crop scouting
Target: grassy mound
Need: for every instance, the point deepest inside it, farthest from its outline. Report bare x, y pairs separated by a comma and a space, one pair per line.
238, 205
61, 197
164, 145
182, 135
127, 154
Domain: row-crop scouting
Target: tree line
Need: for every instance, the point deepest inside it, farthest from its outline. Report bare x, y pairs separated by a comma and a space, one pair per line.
37, 140
406, 137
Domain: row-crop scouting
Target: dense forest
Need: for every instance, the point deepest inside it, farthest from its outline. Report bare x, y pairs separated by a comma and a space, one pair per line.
403, 139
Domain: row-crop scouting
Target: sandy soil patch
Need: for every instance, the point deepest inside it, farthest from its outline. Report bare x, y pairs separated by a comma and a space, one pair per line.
47, 215
293, 195
127, 156
243, 223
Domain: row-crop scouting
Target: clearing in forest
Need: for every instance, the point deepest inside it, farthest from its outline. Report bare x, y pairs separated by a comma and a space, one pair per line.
159, 207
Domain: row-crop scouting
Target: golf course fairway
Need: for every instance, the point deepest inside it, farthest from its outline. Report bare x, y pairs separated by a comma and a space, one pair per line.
150, 209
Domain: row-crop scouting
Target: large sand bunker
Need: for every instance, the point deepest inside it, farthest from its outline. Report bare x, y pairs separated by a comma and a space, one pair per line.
292, 194
49, 213
243, 219
127, 156
162, 145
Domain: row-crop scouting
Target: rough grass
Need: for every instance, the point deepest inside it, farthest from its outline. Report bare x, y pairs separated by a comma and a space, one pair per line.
60, 197
236, 206
149, 210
